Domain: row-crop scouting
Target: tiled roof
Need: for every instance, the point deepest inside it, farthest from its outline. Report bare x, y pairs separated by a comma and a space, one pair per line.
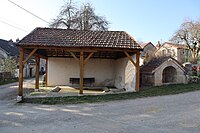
75, 38
154, 63
9, 47
175, 45
145, 44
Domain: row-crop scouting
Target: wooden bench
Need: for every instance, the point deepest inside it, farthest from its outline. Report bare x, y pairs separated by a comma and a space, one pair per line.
85, 80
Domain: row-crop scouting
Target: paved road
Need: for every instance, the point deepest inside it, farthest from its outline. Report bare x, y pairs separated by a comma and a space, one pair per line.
166, 114
10, 91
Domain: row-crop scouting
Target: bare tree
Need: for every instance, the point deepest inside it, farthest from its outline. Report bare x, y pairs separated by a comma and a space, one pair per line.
83, 18
189, 34
66, 16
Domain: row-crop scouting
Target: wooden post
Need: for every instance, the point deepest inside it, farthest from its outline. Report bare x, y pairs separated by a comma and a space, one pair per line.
46, 72
81, 63
20, 89
137, 85
37, 60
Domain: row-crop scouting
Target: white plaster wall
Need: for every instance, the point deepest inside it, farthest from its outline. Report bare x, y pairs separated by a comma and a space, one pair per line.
120, 72
61, 69
101, 69
125, 75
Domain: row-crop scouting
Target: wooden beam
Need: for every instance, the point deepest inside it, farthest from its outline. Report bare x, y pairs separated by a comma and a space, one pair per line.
90, 55
29, 56
37, 60
21, 58
42, 56
74, 56
86, 49
27, 51
81, 63
46, 72
130, 58
137, 85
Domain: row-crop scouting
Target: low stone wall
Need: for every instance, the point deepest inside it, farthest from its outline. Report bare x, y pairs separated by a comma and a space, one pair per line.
5, 76
147, 79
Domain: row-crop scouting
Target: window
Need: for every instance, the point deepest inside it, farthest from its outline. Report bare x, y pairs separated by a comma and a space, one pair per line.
163, 52
173, 53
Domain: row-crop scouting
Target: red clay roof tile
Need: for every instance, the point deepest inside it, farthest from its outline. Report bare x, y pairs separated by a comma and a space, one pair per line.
76, 38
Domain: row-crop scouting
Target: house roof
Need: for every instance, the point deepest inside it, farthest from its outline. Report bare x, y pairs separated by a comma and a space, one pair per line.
175, 45
155, 63
48, 37
9, 47
146, 44
149, 50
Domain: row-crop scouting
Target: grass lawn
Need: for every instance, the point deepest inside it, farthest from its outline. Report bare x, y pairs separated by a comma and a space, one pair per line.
150, 92
8, 81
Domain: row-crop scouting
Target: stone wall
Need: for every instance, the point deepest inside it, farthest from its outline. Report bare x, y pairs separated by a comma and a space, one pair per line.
147, 79
5, 76
180, 77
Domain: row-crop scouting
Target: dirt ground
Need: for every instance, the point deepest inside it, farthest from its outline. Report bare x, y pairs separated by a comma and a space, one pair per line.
163, 114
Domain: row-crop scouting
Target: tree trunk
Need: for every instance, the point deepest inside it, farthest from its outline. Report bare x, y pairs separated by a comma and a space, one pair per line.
194, 57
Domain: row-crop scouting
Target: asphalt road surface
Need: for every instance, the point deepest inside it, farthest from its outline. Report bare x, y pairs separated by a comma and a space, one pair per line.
164, 114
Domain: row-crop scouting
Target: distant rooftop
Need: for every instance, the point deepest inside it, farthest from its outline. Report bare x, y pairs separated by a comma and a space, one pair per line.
145, 44
9, 47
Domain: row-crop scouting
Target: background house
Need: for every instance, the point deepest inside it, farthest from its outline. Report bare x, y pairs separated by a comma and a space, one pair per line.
8, 49
8, 59
148, 52
179, 52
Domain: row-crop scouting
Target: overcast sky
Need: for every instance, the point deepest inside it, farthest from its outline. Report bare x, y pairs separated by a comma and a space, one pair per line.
145, 20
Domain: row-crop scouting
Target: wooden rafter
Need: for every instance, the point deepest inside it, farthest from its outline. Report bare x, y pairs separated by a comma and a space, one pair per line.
89, 56
79, 49
129, 57
43, 57
29, 56
28, 52
74, 56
